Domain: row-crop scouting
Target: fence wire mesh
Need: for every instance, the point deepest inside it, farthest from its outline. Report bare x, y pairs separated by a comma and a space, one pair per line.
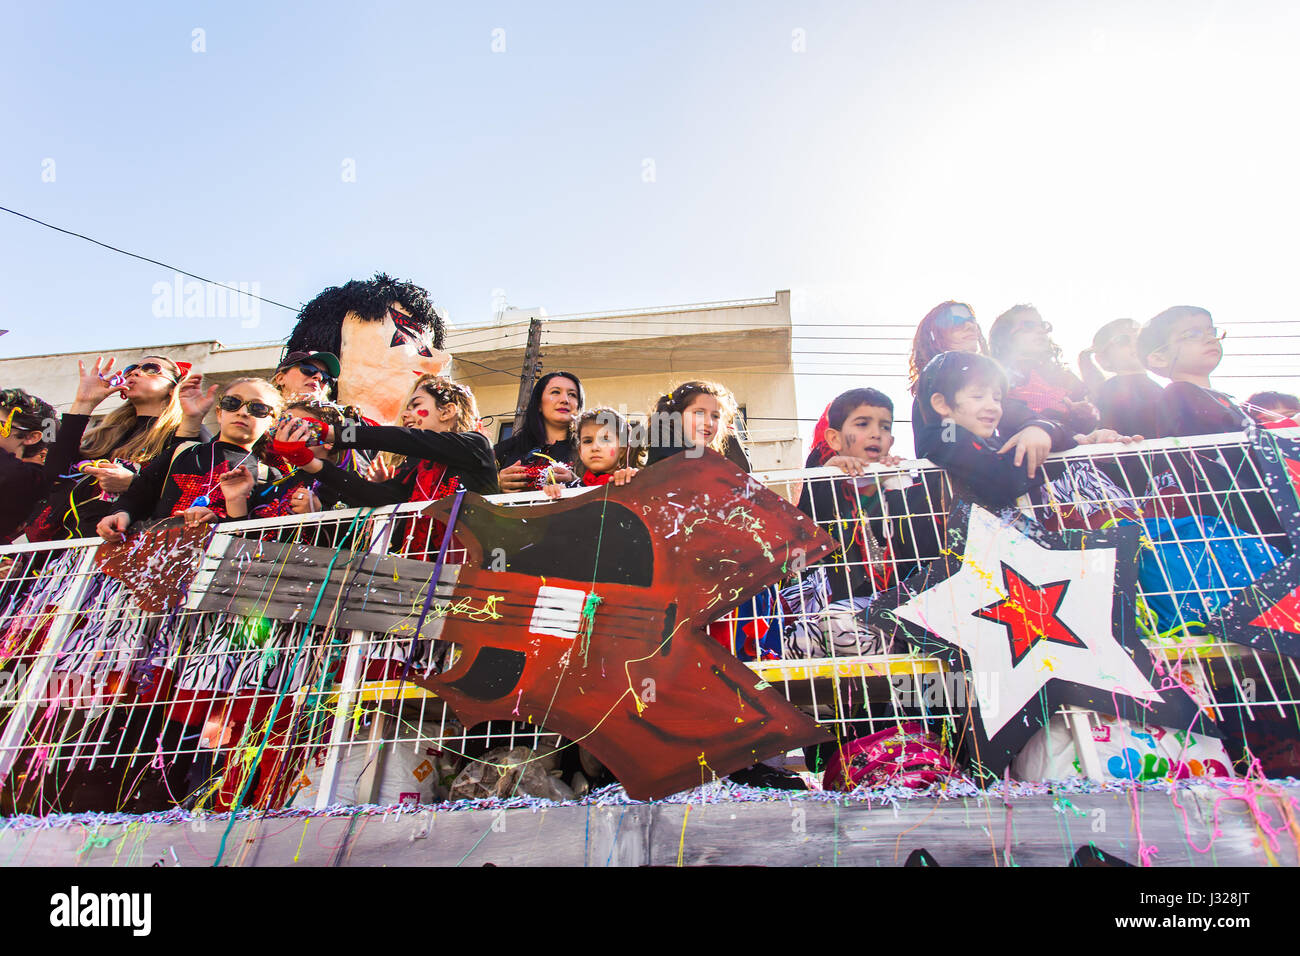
274, 685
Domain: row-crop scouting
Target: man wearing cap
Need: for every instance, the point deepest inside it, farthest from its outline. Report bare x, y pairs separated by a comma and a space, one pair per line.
307, 375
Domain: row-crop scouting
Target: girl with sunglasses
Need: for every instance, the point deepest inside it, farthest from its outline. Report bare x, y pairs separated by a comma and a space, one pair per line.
88, 469
948, 327
216, 480
1127, 399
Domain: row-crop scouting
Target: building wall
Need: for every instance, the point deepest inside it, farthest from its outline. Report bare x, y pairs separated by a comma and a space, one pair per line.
626, 360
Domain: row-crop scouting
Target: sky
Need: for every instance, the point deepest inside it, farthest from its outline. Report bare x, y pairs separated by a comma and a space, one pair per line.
1099, 160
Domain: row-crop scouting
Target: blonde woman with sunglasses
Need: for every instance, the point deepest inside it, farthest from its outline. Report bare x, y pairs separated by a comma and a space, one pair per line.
88, 467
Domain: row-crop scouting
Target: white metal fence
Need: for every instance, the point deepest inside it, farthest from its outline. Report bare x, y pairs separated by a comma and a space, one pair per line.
279, 695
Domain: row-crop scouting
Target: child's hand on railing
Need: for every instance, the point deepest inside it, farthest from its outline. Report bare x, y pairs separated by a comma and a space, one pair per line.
197, 516
554, 492
858, 466
113, 528
1105, 436
624, 475
850, 466
1032, 445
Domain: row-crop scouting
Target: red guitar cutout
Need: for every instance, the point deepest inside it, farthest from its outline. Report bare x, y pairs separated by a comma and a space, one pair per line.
646, 691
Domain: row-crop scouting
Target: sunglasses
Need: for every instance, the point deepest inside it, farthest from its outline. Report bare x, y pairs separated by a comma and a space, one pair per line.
231, 403
149, 368
1044, 327
1192, 336
951, 319
311, 370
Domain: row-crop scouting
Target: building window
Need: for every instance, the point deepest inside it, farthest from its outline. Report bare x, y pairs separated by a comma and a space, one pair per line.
742, 424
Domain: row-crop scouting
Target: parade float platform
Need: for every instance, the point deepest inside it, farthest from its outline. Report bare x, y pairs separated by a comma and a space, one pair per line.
1235, 823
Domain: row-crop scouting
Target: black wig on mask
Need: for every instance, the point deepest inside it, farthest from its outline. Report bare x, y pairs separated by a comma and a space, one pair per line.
320, 323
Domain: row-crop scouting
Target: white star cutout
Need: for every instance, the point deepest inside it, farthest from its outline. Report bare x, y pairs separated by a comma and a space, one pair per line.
1003, 690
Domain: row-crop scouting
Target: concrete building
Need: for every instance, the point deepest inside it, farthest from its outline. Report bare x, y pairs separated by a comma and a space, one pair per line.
625, 359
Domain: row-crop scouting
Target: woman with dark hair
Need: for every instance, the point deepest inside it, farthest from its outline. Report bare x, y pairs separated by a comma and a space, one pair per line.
1022, 342
89, 469
543, 444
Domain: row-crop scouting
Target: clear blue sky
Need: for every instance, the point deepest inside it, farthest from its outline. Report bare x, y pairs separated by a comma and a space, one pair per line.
1100, 160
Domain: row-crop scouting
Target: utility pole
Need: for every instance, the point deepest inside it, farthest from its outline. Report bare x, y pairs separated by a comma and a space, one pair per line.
532, 368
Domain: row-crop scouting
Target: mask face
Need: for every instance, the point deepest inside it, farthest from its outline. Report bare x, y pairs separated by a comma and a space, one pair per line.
380, 361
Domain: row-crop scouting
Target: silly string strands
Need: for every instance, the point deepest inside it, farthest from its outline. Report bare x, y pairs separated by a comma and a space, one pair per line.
588, 621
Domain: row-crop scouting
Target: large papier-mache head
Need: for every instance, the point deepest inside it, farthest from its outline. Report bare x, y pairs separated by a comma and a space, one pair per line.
384, 331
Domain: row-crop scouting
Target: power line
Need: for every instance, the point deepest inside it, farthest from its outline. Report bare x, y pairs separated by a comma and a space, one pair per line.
499, 371
134, 255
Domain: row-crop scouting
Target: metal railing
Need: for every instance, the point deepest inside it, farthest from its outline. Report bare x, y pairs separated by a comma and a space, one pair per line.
269, 688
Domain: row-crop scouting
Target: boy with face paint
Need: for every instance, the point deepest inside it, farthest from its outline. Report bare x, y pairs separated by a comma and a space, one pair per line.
384, 334
859, 432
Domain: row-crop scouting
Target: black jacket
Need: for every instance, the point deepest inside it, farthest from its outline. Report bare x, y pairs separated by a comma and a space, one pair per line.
466, 455
1187, 409
22, 484
1130, 404
173, 482
73, 506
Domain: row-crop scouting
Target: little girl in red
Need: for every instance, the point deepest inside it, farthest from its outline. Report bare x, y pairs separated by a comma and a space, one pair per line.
600, 438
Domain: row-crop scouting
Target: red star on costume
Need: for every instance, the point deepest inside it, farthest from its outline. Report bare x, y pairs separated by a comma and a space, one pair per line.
1029, 614
194, 487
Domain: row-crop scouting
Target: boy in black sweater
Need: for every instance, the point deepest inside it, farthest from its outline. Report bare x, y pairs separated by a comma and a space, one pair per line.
1182, 345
